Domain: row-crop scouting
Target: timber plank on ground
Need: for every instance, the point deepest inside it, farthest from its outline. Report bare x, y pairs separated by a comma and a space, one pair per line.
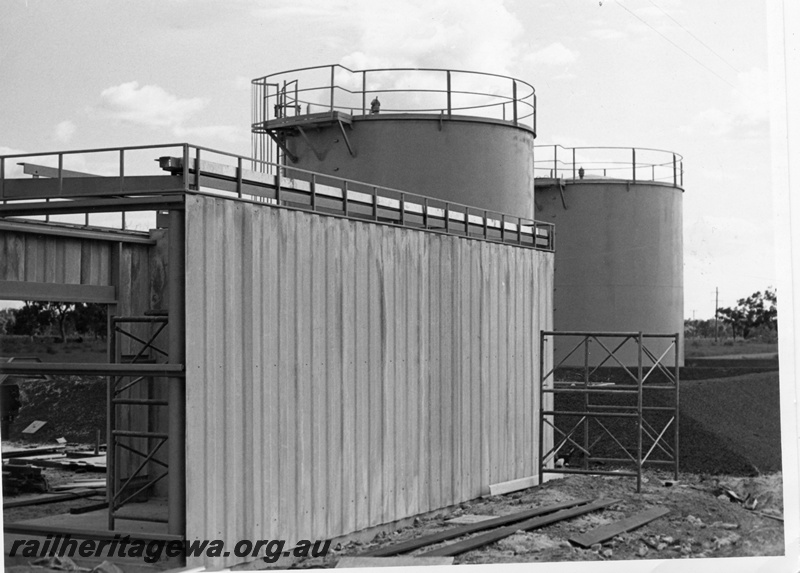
490, 537
605, 532
413, 544
50, 498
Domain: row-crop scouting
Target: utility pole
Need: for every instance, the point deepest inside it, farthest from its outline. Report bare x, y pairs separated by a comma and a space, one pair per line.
716, 314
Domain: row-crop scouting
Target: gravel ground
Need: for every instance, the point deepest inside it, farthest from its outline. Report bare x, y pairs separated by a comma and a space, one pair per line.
700, 524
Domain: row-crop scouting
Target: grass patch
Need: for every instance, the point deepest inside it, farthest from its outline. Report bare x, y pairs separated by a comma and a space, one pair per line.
702, 347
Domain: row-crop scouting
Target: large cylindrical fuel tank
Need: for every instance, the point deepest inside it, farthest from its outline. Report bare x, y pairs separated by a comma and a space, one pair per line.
463, 137
618, 259
471, 161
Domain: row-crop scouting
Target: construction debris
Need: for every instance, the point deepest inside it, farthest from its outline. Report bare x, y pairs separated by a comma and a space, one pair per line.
50, 498
23, 479
397, 561
502, 532
413, 544
606, 532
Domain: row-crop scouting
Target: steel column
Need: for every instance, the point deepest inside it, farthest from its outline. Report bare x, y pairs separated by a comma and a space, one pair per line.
639, 413
177, 389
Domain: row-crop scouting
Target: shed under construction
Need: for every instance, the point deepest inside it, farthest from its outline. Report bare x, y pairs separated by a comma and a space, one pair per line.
336, 356
342, 331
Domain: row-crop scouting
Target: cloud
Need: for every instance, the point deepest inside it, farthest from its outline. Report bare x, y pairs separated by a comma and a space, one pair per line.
556, 54
153, 107
746, 115
12, 170
480, 35
242, 83
606, 34
65, 131
213, 133
149, 105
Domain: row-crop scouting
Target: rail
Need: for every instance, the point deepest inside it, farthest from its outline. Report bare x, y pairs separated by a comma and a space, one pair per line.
444, 92
129, 181
636, 164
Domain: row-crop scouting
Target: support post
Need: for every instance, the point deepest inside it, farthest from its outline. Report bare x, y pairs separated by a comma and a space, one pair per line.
639, 411
677, 403
112, 475
177, 390
586, 420
541, 406
633, 165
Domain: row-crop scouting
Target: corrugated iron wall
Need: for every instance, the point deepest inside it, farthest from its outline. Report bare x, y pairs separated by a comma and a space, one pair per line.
344, 374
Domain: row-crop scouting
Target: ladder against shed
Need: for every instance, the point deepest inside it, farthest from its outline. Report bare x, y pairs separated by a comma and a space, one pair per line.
354, 355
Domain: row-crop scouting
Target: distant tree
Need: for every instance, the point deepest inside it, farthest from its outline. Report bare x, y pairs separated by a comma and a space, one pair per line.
758, 311
696, 328
32, 319
90, 318
62, 313
38, 317
6, 317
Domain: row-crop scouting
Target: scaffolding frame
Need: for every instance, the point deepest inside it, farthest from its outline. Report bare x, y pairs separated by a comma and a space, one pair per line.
580, 436
118, 494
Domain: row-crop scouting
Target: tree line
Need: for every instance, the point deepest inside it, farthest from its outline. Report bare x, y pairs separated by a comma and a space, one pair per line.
59, 319
755, 316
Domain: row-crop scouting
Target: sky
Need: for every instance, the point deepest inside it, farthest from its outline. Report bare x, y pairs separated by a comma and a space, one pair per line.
689, 76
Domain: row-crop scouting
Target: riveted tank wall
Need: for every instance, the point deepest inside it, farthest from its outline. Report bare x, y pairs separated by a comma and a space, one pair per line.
618, 260
472, 161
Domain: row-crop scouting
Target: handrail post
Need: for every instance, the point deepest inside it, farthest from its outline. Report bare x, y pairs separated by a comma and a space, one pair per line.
313, 192
573, 163
364, 92
449, 96
681, 173
674, 171
333, 72
634, 164
197, 168
375, 203
185, 166
425, 212
60, 173
3, 178
514, 93
447, 217
403, 209
122, 179
344, 196
239, 176
555, 162
502, 228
